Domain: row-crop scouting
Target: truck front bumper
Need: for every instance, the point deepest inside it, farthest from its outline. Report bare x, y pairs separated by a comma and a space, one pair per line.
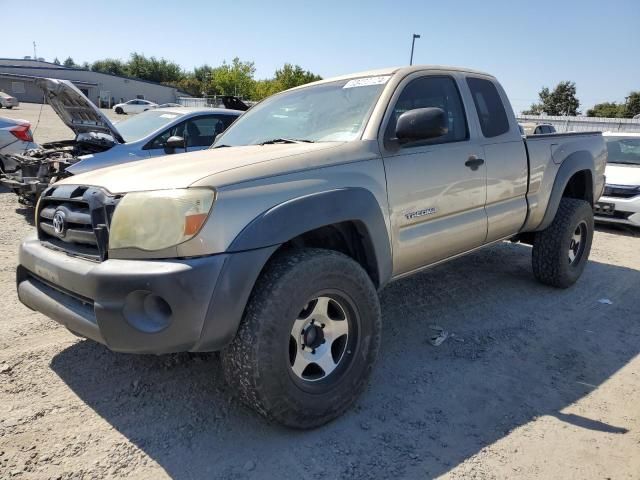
141, 306
623, 211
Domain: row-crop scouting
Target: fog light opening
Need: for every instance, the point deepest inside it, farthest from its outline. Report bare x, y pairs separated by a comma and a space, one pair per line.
147, 312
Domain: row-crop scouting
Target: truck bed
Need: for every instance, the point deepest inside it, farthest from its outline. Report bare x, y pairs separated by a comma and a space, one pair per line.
546, 153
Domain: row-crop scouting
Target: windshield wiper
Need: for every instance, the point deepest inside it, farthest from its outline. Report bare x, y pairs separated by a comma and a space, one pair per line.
285, 140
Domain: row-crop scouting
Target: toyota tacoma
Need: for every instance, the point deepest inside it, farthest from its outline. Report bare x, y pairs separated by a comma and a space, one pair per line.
271, 246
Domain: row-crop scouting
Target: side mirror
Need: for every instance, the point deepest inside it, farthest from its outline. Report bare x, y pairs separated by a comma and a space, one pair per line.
174, 142
421, 124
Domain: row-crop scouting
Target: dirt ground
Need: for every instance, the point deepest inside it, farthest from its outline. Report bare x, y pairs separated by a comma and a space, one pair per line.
535, 383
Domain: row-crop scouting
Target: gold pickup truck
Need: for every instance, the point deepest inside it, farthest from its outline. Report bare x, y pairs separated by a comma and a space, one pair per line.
272, 245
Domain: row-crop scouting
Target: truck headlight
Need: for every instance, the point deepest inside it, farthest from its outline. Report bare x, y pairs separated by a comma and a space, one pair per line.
159, 219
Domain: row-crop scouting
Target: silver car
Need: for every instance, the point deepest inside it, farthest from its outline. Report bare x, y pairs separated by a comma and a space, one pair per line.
15, 137
99, 143
162, 131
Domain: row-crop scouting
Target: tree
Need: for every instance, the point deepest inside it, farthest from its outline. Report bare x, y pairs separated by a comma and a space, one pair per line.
265, 88
607, 109
628, 109
562, 101
235, 78
632, 105
290, 76
189, 84
154, 70
56, 61
69, 62
110, 65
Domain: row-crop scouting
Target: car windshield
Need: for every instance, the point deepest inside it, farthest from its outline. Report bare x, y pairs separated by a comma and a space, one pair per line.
135, 128
328, 112
625, 150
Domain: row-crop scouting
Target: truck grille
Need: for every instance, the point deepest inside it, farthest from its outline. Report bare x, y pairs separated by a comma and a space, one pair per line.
75, 219
621, 191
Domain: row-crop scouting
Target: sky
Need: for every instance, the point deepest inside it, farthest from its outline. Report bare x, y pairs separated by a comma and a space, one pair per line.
526, 45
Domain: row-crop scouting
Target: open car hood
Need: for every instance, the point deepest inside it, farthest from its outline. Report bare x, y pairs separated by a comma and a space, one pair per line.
76, 110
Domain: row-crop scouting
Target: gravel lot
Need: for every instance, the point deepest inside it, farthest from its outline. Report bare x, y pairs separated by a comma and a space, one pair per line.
535, 383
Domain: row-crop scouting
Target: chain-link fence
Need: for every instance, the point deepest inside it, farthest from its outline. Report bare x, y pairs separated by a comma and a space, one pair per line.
584, 124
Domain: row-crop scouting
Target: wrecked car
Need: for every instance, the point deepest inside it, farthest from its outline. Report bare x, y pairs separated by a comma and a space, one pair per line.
99, 143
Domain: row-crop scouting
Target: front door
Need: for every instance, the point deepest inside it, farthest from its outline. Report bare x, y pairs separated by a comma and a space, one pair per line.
436, 188
198, 132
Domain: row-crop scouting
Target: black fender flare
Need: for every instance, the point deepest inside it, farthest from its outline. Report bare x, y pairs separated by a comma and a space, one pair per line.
294, 217
577, 161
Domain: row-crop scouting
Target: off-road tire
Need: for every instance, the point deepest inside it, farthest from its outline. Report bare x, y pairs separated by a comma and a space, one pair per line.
119, 111
551, 264
257, 364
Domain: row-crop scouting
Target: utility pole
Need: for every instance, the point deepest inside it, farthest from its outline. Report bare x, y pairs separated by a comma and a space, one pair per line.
35, 57
413, 42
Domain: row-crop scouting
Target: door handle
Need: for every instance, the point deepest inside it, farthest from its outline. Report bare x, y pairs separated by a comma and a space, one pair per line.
474, 162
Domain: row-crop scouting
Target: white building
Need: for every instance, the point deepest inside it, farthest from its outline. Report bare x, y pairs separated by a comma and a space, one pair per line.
16, 77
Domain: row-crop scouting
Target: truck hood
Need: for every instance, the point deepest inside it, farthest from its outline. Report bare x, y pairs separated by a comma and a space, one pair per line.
183, 170
618, 174
76, 111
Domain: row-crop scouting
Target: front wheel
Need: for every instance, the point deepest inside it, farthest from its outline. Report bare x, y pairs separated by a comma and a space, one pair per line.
308, 340
119, 111
560, 252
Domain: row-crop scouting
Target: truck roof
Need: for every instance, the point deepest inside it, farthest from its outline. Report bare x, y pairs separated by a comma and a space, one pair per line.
396, 70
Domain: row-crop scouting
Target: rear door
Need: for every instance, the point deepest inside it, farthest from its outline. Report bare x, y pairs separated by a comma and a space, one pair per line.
436, 188
505, 156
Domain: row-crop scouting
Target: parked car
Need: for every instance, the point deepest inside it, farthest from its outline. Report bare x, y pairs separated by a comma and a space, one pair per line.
620, 202
134, 106
7, 101
15, 137
537, 128
100, 143
273, 251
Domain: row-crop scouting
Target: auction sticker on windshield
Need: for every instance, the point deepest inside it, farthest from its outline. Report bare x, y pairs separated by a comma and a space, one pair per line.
366, 81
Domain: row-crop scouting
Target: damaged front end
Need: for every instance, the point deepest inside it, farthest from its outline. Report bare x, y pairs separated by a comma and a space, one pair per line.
38, 168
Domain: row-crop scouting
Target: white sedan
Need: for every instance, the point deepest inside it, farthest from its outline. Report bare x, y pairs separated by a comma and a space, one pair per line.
134, 106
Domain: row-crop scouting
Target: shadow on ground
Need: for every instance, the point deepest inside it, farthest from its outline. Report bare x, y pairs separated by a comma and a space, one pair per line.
520, 350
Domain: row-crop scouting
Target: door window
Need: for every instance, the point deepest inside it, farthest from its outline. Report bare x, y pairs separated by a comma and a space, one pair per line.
491, 113
432, 91
160, 140
199, 132
202, 131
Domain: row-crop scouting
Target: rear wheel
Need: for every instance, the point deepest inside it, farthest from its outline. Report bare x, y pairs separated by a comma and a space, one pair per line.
9, 107
560, 252
308, 340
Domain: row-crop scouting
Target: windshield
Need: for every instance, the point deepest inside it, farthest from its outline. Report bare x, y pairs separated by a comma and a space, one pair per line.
135, 128
329, 112
625, 150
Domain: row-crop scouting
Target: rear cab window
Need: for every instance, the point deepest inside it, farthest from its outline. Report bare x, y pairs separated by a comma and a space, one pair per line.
491, 113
